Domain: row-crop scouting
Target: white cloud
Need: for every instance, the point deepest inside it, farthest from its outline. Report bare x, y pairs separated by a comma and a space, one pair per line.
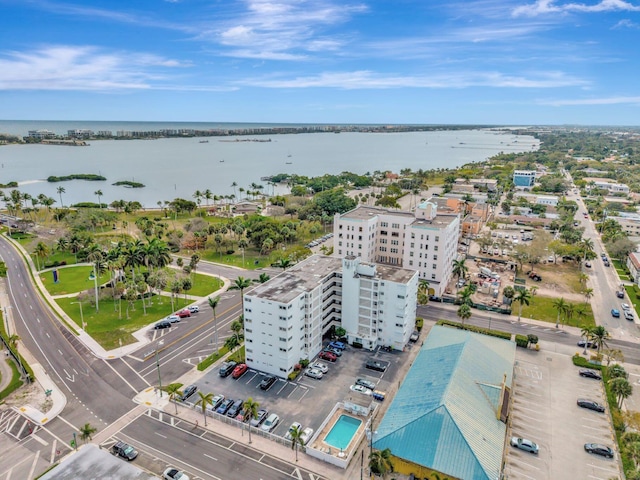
80, 68
365, 79
544, 7
593, 101
626, 23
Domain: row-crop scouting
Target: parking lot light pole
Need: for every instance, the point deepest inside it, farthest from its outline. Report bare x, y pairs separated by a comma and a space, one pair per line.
159, 379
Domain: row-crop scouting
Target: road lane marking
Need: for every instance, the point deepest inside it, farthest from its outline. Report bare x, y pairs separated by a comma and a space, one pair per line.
209, 456
34, 464
160, 435
118, 374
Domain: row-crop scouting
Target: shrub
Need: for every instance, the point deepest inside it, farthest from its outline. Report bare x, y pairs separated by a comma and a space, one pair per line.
473, 328
211, 359
293, 375
522, 341
419, 323
356, 345
304, 362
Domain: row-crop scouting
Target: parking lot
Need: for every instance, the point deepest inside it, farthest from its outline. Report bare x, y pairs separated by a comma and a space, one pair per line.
306, 400
544, 410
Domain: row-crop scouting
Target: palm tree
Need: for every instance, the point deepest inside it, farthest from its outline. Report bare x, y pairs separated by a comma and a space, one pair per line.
231, 343
586, 332
568, 312
96, 256
204, 400
423, 292
380, 462
621, 388
283, 263
213, 303
174, 392
41, 251
240, 284
600, 337
98, 193
522, 296
237, 329
560, 305
459, 269
86, 431
588, 293
60, 191
234, 185
466, 293
296, 439
262, 278
464, 312
250, 411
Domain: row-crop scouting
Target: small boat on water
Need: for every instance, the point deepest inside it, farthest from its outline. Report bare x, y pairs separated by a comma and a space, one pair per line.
221, 161
288, 163
203, 141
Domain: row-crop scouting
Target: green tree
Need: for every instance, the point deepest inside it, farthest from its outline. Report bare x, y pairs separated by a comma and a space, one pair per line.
250, 411
600, 336
213, 303
459, 269
41, 252
380, 462
523, 296
423, 292
560, 305
60, 191
204, 400
241, 284
263, 278
296, 439
86, 432
99, 194
174, 391
464, 312
621, 388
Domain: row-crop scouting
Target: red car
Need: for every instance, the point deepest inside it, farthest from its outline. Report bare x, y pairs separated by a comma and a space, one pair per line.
328, 356
239, 370
183, 313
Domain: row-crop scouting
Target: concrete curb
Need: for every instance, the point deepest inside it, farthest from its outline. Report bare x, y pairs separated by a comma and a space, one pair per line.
57, 397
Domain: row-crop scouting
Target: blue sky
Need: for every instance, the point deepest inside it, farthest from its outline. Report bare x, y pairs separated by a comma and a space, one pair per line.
322, 61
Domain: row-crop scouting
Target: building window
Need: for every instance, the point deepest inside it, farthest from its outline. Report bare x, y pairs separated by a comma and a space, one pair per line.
411, 263
433, 276
434, 266
395, 225
435, 257
437, 238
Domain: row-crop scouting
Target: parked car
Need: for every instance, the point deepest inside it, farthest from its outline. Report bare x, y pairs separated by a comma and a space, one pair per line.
606, 263
337, 345
194, 308
174, 474
590, 405
619, 294
615, 313
628, 315
328, 356
215, 402
306, 435
184, 313
235, 408
242, 416
588, 373
313, 373
524, 444
162, 324
335, 351
188, 391
360, 389
267, 381
375, 365
598, 449
270, 423
625, 306
414, 336
320, 366
587, 264
262, 414
227, 368
173, 318
366, 383
124, 450
224, 406
239, 370
295, 425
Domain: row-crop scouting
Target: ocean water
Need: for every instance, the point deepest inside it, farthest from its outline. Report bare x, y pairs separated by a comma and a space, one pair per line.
177, 167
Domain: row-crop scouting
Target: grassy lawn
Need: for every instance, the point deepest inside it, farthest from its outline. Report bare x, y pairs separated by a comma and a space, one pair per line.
566, 273
541, 308
204, 285
71, 280
252, 258
634, 296
107, 328
68, 258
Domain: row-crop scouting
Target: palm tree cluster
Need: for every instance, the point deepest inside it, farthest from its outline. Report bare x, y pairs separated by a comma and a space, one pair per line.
566, 311
598, 335
18, 204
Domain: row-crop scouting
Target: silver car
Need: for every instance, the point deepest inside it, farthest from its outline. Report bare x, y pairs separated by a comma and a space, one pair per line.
313, 373
270, 423
320, 366
524, 444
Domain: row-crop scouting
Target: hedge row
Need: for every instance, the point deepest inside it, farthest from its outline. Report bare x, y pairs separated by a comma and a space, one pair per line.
473, 328
15, 354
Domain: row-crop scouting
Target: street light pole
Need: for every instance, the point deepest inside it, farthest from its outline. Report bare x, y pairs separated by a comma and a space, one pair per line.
159, 379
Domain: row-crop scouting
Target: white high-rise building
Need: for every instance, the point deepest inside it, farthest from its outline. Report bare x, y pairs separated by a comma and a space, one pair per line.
287, 316
424, 241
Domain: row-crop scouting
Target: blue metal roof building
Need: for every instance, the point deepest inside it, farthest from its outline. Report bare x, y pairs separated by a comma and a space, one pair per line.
445, 415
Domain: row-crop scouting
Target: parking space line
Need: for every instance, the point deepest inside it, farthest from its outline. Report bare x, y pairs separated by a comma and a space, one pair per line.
527, 409
531, 393
599, 429
536, 419
608, 469
521, 461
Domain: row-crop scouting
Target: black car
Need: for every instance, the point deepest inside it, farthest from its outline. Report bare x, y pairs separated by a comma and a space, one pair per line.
224, 406
162, 324
124, 450
599, 449
375, 365
227, 368
267, 381
188, 391
590, 405
234, 410
588, 373
619, 294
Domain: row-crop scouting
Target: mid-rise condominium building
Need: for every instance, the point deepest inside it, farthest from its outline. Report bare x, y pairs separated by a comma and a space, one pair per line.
424, 240
286, 317
524, 178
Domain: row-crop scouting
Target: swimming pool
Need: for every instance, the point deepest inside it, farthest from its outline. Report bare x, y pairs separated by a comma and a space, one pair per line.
343, 431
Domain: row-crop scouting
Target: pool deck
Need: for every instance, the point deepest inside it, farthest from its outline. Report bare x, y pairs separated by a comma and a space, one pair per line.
323, 446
